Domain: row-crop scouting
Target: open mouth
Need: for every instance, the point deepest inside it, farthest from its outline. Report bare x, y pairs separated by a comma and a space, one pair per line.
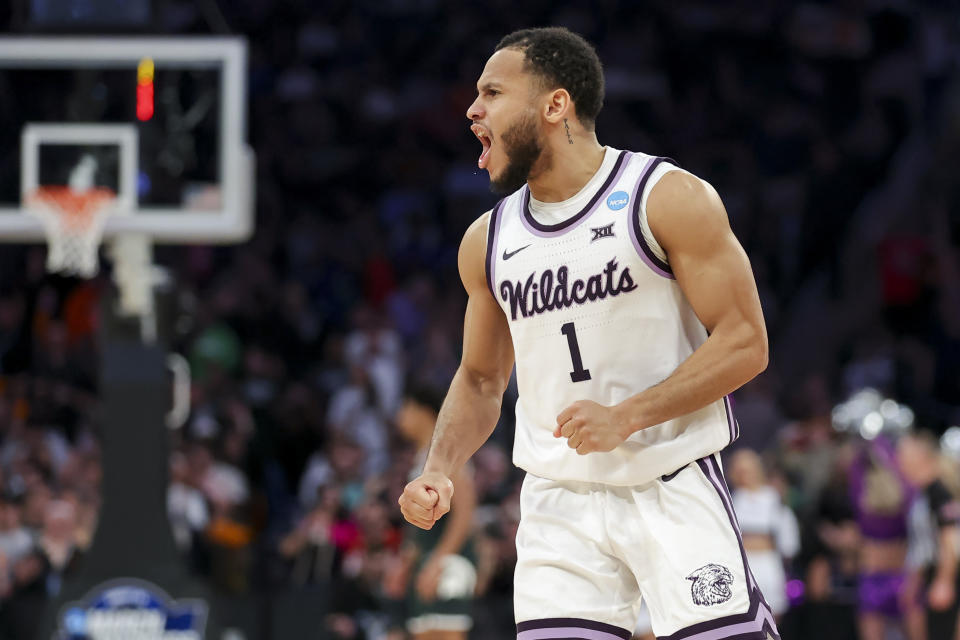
486, 140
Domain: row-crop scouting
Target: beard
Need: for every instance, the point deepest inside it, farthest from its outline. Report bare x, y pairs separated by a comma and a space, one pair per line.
523, 145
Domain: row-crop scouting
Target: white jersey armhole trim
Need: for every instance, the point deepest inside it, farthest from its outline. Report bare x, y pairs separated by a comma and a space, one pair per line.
661, 170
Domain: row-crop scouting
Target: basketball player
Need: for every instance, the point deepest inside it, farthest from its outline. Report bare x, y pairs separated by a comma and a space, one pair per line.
612, 279
439, 561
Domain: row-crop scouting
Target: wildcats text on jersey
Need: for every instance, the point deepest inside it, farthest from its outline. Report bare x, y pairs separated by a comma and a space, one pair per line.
533, 297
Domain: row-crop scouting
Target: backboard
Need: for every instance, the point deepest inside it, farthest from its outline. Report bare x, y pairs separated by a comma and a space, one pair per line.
162, 121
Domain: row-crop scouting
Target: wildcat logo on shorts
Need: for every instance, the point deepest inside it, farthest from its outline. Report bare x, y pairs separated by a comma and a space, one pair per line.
711, 585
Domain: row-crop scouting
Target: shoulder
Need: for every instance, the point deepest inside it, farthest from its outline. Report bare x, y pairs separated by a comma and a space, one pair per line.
683, 206
471, 257
679, 191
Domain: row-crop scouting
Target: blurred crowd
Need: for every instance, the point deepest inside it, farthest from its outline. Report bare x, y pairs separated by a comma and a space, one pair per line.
829, 129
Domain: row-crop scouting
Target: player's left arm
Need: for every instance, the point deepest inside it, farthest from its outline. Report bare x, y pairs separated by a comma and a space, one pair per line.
689, 221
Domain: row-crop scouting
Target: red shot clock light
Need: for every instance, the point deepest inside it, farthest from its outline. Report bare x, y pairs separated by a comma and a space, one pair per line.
145, 90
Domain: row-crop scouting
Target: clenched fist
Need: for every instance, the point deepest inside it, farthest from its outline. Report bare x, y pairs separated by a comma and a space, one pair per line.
590, 427
426, 499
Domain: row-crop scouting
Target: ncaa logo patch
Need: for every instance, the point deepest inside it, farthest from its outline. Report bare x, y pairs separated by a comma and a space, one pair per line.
618, 200
711, 585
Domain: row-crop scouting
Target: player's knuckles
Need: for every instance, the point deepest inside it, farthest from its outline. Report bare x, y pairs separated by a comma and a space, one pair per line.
414, 510
420, 499
408, 494
421, 522
419, 510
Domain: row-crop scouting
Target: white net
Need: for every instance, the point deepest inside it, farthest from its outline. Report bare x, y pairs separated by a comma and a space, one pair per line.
73, 220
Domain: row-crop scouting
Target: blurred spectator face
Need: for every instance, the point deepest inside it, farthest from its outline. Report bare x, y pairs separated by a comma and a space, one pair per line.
235, 447
746, 469
346, 458
358, 376
91, 474
918, 461
179, 471
9, 516
60, 521
199, 461
415, 421
506, 120
35, 507
328, 499
374, 520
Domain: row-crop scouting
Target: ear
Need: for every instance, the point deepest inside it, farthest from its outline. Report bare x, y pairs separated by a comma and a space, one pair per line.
558, 106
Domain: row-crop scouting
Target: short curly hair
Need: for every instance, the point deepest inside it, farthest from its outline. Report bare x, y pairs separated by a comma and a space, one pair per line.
565, 60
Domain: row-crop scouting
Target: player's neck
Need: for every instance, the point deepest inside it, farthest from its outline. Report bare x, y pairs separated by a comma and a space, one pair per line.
571, 167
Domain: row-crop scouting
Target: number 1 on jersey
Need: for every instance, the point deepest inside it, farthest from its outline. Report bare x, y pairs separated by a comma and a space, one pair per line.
579, 374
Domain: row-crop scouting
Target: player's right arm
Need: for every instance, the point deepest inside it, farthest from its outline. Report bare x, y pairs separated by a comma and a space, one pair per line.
472, 406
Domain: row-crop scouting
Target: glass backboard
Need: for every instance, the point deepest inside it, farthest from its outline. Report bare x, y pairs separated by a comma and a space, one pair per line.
162, 120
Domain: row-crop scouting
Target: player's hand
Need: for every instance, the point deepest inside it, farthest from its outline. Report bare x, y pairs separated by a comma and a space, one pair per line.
428, 579
590, 427
426, 499
941, 595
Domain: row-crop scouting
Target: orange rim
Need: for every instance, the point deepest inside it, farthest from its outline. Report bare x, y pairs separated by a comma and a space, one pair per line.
76, 208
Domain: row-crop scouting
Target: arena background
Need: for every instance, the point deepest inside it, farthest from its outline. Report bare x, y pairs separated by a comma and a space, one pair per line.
831, 131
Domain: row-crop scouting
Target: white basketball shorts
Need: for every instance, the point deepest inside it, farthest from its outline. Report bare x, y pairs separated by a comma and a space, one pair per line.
586, 553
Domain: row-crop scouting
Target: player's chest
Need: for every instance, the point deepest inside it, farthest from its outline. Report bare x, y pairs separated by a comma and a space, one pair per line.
591, 263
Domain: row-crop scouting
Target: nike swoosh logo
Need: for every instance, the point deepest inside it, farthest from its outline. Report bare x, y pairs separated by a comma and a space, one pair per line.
509, 254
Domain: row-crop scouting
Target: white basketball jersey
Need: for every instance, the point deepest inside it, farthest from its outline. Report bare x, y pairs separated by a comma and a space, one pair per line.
595, 314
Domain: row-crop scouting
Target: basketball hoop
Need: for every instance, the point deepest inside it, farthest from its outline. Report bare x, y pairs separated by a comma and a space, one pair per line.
73, 222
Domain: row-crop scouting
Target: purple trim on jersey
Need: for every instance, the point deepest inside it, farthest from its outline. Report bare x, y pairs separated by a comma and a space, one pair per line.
755, 624
732, 423
651, 259
493, 233
553, 230
557, 628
